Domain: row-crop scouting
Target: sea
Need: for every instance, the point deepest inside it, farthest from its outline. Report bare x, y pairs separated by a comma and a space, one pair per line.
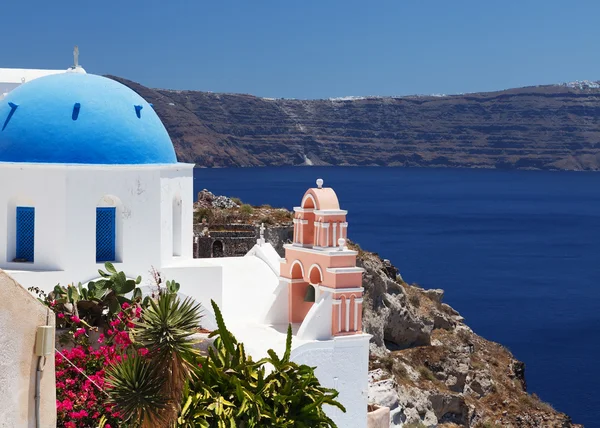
517, 253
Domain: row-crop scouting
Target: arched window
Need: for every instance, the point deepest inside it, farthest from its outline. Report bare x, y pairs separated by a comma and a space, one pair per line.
25, 234
177, 226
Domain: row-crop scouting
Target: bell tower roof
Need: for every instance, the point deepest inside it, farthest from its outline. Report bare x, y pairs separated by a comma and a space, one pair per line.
320, 198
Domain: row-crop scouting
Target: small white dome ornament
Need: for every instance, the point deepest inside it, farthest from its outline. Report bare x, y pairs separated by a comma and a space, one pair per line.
341, 244
320, 183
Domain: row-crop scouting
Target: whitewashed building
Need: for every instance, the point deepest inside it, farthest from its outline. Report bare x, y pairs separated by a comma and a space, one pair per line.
88, 174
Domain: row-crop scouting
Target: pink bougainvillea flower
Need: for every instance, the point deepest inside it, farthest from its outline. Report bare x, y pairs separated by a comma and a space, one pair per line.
79, 332
61, 315
75, 319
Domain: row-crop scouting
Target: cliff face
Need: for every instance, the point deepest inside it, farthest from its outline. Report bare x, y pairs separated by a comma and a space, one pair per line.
543, 127
432, 370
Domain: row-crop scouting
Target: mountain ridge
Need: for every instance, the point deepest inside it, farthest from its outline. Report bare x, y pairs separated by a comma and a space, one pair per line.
552, 127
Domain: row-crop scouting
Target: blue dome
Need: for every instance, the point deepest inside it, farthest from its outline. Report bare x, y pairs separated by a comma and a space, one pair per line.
74, 118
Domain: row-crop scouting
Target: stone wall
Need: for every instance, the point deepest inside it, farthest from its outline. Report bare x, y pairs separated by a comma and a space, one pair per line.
277, 235
234, 240
20, 315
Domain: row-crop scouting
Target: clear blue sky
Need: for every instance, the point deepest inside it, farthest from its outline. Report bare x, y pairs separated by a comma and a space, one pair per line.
311, 48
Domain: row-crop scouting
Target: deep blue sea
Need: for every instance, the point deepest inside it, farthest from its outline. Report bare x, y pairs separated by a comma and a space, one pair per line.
517, 252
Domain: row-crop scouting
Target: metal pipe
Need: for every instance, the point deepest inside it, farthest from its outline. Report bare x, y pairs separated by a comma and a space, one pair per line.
38, 379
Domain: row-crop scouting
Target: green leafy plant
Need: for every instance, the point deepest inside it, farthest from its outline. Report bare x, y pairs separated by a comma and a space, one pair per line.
246, 209
231, 390
164, 330
172, 287
97, 302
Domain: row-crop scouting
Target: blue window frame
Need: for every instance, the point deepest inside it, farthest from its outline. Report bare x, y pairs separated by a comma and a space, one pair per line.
25, 233
105, 234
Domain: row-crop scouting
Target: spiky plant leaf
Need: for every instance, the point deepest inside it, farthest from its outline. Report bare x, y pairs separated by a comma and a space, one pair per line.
135, 391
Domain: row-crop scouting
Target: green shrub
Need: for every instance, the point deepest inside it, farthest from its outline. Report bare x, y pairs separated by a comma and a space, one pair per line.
203, 213
415, 300
96, 303
246, 209
282, 216
267, 220
427, 374
231, 390
237, 200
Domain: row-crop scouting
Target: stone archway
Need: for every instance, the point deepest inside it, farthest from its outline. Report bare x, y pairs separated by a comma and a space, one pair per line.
301, 297
218, 249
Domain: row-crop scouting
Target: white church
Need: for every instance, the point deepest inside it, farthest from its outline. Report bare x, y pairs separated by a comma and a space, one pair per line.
89, 174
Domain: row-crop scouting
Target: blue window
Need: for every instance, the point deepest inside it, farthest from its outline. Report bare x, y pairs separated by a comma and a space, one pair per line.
105, 234
25, 233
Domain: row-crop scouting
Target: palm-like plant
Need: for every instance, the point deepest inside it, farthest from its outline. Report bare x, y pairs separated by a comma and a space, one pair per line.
136, 391
165, 330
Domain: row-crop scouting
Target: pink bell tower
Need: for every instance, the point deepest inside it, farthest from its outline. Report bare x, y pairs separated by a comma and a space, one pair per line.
324, 284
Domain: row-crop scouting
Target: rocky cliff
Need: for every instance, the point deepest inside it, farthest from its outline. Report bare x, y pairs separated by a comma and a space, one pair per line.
432, 370
542, 127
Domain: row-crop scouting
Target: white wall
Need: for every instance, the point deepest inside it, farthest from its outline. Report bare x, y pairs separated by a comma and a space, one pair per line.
199, 280
177, 184
341, 363
248, 283
45, 190
65, 199
137, 191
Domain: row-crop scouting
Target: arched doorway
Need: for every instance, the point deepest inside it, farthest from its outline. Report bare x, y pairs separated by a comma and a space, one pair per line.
303, 294
217, 249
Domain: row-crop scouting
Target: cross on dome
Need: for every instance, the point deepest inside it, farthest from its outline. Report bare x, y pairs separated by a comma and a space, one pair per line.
76, 56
